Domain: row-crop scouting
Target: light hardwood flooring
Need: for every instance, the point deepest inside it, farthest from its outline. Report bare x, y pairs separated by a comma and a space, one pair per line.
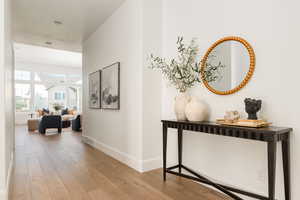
61, 167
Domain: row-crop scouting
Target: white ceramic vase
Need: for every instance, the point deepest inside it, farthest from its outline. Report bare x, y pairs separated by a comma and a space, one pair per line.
180, 104
196, 110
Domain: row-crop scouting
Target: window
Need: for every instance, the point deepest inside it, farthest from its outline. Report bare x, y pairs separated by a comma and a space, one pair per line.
59, 96
40, 97
79, 82
22, 75
72, 97
23, 94
37, 90
37, 77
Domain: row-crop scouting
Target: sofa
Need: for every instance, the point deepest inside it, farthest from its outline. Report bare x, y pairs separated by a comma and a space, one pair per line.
65, 113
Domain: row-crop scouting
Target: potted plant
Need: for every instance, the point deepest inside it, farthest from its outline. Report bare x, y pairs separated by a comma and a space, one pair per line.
183, 72
57, 107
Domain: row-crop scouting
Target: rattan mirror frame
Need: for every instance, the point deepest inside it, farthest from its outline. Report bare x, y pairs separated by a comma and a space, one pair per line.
247, 77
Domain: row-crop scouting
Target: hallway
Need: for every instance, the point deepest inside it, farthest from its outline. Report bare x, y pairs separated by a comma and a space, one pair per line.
62, 167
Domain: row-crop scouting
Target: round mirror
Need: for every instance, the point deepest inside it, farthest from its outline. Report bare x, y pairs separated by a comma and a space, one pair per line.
232, 61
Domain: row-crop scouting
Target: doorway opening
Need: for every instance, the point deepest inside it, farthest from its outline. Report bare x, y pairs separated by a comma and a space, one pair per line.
48, 82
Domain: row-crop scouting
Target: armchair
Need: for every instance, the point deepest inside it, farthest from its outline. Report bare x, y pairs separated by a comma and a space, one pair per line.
50, 121
76, 124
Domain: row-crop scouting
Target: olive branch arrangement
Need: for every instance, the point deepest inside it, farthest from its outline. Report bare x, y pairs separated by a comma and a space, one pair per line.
184, 71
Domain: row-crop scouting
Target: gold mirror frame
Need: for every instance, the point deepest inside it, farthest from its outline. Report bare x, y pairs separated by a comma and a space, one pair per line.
249, 74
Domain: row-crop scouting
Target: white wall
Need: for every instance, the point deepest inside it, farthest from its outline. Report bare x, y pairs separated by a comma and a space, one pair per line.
124, 38
273, 32
152, 43
6, 98
118, 39
272, 28
21, 118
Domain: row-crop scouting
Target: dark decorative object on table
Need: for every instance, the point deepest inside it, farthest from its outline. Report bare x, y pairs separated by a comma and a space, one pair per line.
252, 107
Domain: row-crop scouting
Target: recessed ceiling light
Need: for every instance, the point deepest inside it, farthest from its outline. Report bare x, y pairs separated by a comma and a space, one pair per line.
48, 43
58, 22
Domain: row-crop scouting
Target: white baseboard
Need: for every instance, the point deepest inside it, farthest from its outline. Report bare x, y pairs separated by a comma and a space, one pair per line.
139, 165
151, 164
4, 193
10, 170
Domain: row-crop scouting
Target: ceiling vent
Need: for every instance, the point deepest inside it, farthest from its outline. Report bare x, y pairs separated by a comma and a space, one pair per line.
57, 22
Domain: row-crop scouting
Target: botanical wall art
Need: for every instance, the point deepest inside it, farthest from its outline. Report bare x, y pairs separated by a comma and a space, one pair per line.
110, 87
94, 90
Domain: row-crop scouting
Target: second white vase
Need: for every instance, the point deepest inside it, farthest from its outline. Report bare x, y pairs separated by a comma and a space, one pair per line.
196, 110
180, 104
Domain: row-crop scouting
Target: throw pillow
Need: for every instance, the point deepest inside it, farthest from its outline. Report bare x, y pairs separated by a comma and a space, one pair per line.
40, 113
45, 110
64, 111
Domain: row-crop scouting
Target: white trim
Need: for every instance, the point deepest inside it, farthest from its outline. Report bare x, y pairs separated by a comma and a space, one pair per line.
121, 156
10, 170
4, 193
151, 164
139, 165
40, 67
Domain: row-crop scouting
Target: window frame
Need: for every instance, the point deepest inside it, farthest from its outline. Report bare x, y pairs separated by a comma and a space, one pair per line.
37, 83
27, 71
61, 94
32, 82
24, 83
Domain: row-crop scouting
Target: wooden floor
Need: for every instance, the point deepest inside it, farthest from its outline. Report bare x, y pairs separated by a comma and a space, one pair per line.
60, 167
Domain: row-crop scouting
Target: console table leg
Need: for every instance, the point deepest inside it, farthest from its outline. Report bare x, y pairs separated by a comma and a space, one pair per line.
179, 149
272, 146
165, 138
286, 167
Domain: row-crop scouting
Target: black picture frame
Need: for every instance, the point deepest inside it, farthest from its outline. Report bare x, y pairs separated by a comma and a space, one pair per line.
91, 76
104, 99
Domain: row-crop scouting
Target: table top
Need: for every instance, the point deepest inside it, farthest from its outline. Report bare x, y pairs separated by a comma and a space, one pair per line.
234, 131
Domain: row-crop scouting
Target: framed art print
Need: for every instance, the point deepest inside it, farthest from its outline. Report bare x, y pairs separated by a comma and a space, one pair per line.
95, 90
110, 87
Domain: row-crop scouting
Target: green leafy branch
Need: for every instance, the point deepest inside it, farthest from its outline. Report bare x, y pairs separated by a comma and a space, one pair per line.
184, 71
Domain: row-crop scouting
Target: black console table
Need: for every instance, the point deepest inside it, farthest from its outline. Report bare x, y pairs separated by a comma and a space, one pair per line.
271, 135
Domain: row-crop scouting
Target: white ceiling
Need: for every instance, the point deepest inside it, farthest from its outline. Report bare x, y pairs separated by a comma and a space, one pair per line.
34, 21
46, 56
